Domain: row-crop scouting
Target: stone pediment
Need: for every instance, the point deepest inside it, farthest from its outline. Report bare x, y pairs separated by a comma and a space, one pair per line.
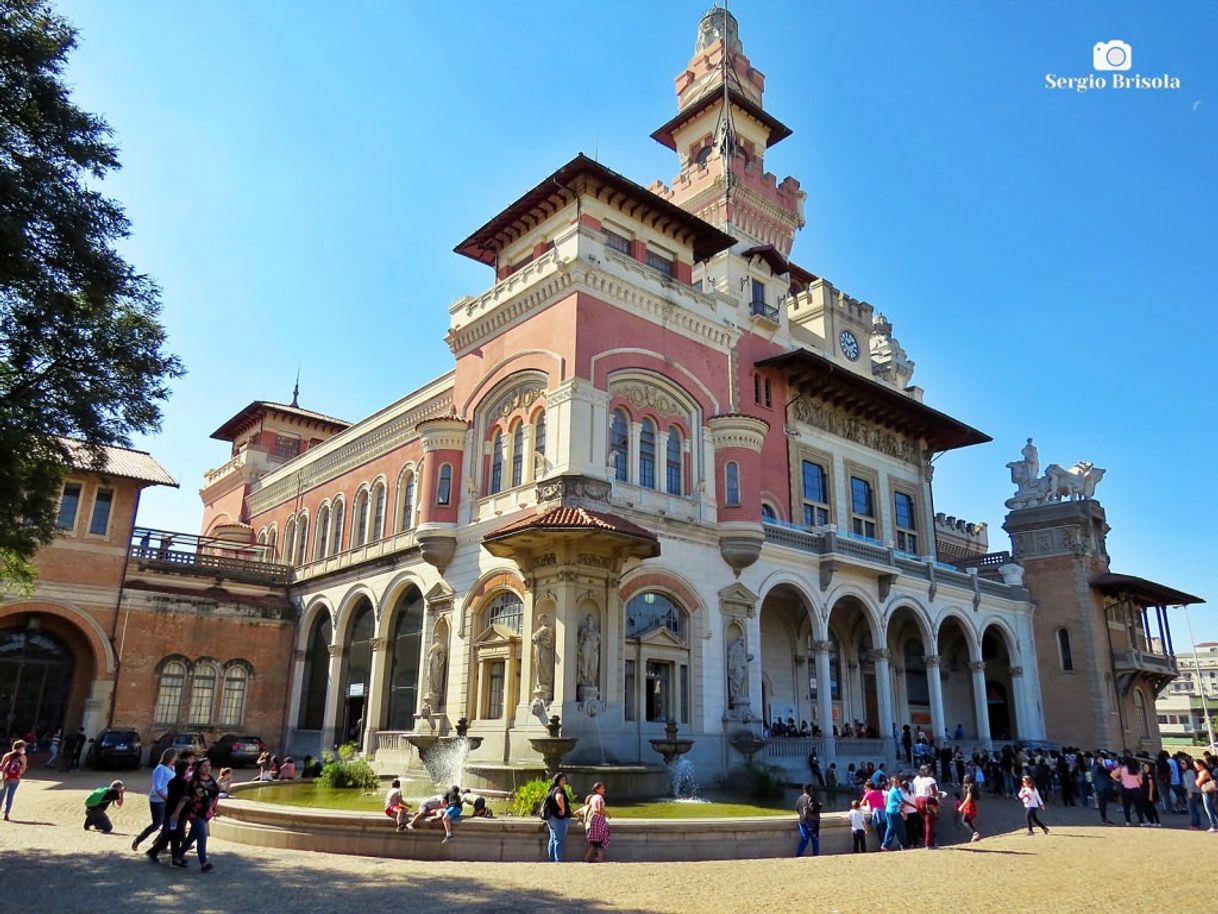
660, 636
440, 597
497, 636
736, 599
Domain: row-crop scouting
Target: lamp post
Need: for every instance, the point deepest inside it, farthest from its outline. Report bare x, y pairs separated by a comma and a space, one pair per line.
1205, 707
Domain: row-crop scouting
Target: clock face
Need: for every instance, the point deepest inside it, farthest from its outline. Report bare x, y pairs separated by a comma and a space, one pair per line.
848, 344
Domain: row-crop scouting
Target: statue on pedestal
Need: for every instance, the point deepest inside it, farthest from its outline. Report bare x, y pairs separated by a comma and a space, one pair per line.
543, 658
589, 666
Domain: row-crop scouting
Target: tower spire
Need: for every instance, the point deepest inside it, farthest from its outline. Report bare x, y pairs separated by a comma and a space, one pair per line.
296, 389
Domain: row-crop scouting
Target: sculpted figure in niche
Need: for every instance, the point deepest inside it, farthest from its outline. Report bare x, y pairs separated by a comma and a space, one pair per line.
737, 673
437, 659
543, 658
589, 651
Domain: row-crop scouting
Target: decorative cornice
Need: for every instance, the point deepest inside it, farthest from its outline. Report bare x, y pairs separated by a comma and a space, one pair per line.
442, 434
374, 443
736, 430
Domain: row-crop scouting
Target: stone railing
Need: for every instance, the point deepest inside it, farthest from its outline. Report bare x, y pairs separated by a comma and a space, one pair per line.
795, 747
863, 748
1144, 661
389, 545
392, 741
187, 553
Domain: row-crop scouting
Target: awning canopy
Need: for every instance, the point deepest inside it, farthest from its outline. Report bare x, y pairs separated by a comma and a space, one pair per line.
822, 378
1142, 591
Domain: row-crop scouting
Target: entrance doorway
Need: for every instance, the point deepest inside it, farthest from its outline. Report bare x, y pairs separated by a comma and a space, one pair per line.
35, 681
353, 718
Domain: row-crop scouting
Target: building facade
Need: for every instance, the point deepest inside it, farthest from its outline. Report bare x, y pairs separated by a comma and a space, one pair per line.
1188, 703
672, 474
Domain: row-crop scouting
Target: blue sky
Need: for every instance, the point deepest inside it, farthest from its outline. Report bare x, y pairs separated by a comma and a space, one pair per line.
297, 178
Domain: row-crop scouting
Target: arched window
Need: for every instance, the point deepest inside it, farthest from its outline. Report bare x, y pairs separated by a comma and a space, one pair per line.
1140, 716
202, 694
302, 539
731, 484
272, 537
1063, 650
262, 537
289, 541
357, 678
647, 454
768, 513
169, 692
316, 674
672, 462
378, 511
444, 491
407, 501
336, 544
506, 610
701, 156
650, 610
405, 649
518, 454
496, 485
619, 445
321, 542
232, 699
539, 445
359, 527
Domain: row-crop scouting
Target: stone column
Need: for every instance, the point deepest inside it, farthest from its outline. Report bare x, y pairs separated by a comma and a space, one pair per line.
329, 725
981, 709
883, 686
374, 707
824, 698
935, 685
1019, 704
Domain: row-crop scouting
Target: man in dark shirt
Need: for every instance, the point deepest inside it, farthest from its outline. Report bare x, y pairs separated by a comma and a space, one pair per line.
98, 802
171, 835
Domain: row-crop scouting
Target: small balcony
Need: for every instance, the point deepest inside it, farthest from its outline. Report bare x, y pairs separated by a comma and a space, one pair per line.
759, 308
186, 553
1135, 661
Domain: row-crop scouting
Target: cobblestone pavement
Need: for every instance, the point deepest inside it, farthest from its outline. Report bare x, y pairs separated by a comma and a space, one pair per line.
51, 864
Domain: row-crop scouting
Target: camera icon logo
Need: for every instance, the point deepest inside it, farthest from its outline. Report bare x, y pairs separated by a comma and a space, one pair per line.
1112, 55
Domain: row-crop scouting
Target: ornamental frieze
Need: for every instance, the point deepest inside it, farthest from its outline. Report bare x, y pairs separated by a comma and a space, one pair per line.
646, 395
521, 398
846, 425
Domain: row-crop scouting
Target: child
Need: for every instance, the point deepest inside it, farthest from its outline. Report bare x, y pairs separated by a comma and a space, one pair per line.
432, 808
481, 810
858, 827
395, 807
1030, 797
452, 812
225, 782
98, 801
968, 806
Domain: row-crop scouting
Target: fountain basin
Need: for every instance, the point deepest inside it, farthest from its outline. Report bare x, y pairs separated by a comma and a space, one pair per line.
513, 839
443, 755
552, 749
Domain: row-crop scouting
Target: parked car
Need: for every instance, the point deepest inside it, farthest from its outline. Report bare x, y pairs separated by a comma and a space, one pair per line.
236, 751
180, 741
115, 749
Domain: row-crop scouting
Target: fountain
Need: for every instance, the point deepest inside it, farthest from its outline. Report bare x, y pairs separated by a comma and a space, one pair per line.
444, 756
681, 780
553, 747
670, 747
748, 744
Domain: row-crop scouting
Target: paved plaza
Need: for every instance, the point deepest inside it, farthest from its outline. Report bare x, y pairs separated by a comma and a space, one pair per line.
51, 864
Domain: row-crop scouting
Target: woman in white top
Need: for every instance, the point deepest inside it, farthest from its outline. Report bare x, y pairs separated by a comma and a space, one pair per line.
1032, 803
161, 776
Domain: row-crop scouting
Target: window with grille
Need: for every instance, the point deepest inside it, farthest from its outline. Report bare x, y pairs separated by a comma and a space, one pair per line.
496, 673
862, 507
815, 494
619, 445
906, 521
672, 463
518, 455
732, 484
232, 699
647, 455
506, 610
659, 262
616, 242
99, 524
408, 502
202, 694
69, 504
169, 693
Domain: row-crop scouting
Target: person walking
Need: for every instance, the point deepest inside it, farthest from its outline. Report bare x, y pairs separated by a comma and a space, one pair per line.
874, 803
969, 807
898, 806
1208, 788
1148, 795
56, 740
556, 813
1032, 804
198, 806
97, 802
171, 835
807, 808
596, 824
157, 795
12, 767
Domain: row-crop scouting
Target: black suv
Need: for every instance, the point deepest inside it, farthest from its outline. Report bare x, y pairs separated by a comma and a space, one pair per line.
234, 750
115, 749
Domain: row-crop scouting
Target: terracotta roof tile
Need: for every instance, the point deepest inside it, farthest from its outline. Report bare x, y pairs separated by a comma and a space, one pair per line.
572, 518
121, 461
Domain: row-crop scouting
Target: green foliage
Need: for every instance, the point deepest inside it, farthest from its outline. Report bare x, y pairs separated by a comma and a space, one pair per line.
347, 771
767, 781
526, 799
81, 344
17, 575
